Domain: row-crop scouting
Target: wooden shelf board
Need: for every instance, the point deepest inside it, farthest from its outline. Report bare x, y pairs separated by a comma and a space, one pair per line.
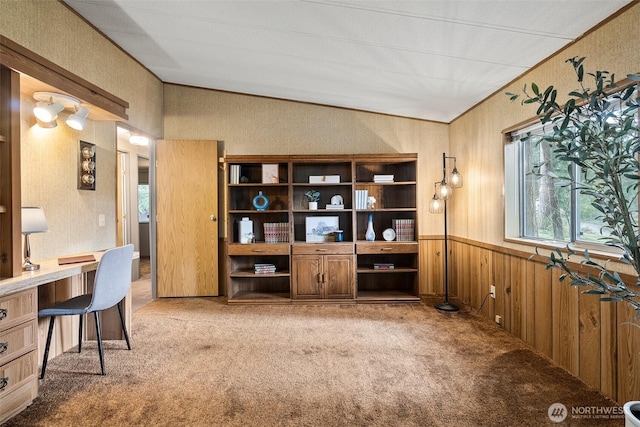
255, 211
250, 274
258, 297
260, 184
386, 296
366, 270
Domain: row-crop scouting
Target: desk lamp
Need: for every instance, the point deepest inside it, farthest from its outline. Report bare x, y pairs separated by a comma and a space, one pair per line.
33, 221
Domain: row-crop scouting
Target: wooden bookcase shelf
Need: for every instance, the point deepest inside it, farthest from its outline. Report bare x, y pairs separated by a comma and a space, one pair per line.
309, 264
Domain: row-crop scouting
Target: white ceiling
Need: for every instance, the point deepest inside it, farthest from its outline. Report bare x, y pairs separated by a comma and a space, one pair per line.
426, 59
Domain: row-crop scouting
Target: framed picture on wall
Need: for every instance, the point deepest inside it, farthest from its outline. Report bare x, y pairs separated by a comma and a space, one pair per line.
87, 166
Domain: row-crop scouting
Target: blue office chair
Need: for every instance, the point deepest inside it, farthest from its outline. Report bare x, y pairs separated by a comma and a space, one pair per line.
112, 282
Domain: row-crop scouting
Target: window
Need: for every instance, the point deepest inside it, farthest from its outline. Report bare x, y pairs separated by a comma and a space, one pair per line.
542, 196
143, 203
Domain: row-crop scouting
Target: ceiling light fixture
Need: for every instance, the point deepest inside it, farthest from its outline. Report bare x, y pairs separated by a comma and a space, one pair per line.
138, 140
51, 103
79, 118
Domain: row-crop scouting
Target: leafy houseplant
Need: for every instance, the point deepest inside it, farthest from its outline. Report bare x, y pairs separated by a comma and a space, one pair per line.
597, 129
312, 196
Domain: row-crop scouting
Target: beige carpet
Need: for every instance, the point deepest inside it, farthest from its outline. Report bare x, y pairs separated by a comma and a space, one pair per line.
200, 362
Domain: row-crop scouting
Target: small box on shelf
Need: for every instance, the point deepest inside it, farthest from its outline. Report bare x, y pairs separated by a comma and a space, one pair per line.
324, 179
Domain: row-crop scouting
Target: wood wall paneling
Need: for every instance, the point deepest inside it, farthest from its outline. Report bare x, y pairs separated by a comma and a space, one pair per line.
587, 337
564, 303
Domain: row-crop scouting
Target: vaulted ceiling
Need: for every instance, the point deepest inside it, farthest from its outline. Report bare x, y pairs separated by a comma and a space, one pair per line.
425, 59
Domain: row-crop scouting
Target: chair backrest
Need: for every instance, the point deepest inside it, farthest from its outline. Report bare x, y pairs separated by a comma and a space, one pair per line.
113, 278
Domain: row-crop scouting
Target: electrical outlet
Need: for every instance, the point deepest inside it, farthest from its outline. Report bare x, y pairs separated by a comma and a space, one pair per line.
493, 291
498, 319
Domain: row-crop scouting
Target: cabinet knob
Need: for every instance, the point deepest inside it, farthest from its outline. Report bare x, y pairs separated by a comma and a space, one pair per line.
3, 313
213, 218
4, 347
4, 382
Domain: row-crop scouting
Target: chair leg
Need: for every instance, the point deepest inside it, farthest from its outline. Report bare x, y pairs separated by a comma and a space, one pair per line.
124, 327
46, 349
100, 350
80, 334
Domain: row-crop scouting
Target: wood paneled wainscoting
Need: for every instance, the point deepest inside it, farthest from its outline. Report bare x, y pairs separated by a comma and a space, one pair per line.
587, 337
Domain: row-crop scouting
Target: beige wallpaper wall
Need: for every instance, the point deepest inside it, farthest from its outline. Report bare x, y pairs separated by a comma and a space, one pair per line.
476, 137
256, 125
49, 157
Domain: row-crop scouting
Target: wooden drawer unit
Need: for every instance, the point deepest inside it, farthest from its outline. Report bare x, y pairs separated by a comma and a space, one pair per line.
18, 352
17, 372
18, 308
17, 341
256, 249
382, 248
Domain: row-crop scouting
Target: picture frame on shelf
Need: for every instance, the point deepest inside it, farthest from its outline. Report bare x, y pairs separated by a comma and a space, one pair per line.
270, 174
321, 229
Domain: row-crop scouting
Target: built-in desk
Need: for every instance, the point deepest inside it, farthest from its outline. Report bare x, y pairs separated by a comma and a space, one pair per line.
22, 334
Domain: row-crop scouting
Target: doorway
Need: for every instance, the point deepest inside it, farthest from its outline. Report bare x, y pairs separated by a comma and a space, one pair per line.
134, 210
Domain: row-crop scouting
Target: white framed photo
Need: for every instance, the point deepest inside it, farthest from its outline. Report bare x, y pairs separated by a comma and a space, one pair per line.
320, 229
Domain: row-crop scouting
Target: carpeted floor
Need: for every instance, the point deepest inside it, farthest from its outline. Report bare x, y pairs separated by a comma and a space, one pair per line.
200, 362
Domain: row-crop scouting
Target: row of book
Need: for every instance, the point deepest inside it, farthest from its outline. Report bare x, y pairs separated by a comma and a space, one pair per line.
264, 268
234, 174
361, 199
405, 229
383, 266
276, 232
383, 178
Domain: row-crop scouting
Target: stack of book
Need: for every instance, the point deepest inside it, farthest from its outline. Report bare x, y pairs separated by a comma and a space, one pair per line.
330, 206
264, 268
404, 229
382, 178
361, 199
234, 174
276, 232
383, 266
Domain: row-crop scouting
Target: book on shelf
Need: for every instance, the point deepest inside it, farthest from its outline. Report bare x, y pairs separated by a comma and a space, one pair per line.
383, 266
405, 229
234, 174
330, 206
361, 199
263, 268
276, 232
383, 178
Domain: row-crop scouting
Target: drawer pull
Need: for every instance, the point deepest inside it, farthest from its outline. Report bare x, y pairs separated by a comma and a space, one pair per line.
321, 250
3, 313
257, 250
4, 347
4, 382
386, 249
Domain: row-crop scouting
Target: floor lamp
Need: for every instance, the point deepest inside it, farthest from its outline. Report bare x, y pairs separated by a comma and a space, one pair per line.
443, 192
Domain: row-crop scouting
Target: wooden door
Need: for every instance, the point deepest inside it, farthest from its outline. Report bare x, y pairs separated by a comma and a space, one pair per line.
338, 276
187, 210
306, 271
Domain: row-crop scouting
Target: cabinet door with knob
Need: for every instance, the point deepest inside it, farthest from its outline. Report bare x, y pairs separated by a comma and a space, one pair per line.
316, 275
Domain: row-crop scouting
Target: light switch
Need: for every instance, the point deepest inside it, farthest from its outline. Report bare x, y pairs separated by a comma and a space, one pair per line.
101, 220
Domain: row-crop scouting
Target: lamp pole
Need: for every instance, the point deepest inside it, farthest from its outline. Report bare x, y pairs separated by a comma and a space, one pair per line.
445, 194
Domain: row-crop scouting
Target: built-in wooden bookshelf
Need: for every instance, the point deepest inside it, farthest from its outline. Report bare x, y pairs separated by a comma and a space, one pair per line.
310, 265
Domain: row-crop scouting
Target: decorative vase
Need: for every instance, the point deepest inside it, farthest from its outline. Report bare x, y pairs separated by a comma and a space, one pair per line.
261, 202
313, 206
370, 235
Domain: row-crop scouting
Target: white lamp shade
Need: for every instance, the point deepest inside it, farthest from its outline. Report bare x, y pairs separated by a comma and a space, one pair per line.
33, 220
46, 112
78, 120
